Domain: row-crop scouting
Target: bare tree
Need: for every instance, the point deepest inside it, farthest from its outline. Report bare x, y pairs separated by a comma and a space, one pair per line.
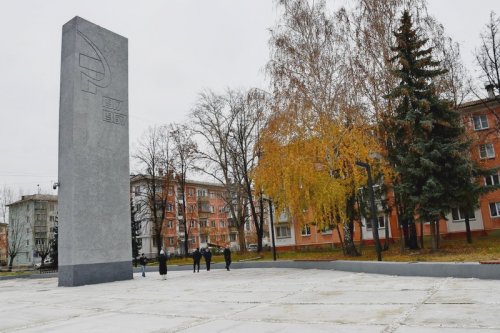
249, 111
16, 233
488, 55
153, 157
183, 156
213, 123
6, 197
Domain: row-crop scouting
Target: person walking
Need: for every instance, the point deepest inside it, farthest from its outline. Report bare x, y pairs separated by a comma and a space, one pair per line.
143, 261
227, 257
162, 267
208, 257
196, 260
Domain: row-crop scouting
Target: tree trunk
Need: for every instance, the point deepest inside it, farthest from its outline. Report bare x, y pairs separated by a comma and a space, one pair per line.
386, 240
360, 238
159, 244
467, 229
421, 234
340, 238
401, 238
413, 235
350, 248
438, 236
241, 236
406, 232
11, 262
433, 235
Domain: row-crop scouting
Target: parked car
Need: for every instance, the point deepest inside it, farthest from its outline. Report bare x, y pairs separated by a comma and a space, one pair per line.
252, 247
46, 262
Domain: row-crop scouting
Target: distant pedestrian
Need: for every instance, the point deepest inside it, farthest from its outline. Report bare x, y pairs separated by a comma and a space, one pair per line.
227, 257
143, 261
162, 260
196, 260
208, 257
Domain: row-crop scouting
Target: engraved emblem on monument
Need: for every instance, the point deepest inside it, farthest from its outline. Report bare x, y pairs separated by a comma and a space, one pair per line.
94, 68
111, 111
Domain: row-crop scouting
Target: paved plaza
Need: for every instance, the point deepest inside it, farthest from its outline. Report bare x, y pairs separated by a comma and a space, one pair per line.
254, 300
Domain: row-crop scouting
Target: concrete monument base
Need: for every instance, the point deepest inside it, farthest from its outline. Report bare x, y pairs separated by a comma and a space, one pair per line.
79, 275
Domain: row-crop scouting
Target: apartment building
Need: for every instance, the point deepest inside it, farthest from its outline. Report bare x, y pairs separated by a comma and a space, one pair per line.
482, 120
31, 227
208, 220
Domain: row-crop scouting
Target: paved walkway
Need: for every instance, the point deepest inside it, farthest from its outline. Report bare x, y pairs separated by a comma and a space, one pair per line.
254, 300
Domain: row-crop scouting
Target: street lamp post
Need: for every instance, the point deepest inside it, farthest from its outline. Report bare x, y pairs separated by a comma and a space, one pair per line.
270, 202
373, 209
272, 227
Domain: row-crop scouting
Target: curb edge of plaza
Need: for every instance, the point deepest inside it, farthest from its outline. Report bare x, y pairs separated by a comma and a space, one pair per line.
420, 269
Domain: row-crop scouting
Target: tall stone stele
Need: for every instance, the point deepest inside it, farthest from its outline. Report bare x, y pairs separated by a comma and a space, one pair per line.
94, 208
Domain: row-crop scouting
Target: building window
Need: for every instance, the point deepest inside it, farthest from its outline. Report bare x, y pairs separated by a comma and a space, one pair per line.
306, 230
232, 237
223, 238
327, 229
495, 209
27, 242
190, 192
282, 232
193, 224
137, 190
247, 226
492, 180
381, 222
222, 224
212, 209
458, 214
480, 122
193, 240
170, 240
203, 239
202, 192
170, 224
203, 223
212, 224
170, 207
486, 151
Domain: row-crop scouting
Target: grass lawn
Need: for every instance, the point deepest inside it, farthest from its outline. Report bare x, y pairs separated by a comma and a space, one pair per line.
486, 248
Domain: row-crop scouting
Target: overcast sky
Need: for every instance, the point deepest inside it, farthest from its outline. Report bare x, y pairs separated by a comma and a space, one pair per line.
177, 48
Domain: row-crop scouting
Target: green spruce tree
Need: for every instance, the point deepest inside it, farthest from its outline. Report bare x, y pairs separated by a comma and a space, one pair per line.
429, 150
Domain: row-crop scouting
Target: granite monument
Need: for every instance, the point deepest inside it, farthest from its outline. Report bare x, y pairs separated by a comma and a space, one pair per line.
94, 208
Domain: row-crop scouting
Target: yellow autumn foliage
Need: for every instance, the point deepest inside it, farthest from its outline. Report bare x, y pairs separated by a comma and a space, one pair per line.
310, 169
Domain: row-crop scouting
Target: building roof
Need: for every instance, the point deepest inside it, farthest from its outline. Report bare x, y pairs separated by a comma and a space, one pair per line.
479, 102
34, 197
136, 178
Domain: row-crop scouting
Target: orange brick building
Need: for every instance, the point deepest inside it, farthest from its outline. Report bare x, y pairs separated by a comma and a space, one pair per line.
481, 119
207, 217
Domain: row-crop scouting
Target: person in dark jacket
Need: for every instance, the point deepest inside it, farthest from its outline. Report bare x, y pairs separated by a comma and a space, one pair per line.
208, 257
227, 257
162, 260
143, 261
196, 260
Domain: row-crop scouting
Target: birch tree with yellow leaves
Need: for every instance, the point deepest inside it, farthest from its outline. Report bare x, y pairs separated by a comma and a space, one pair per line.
318, 128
